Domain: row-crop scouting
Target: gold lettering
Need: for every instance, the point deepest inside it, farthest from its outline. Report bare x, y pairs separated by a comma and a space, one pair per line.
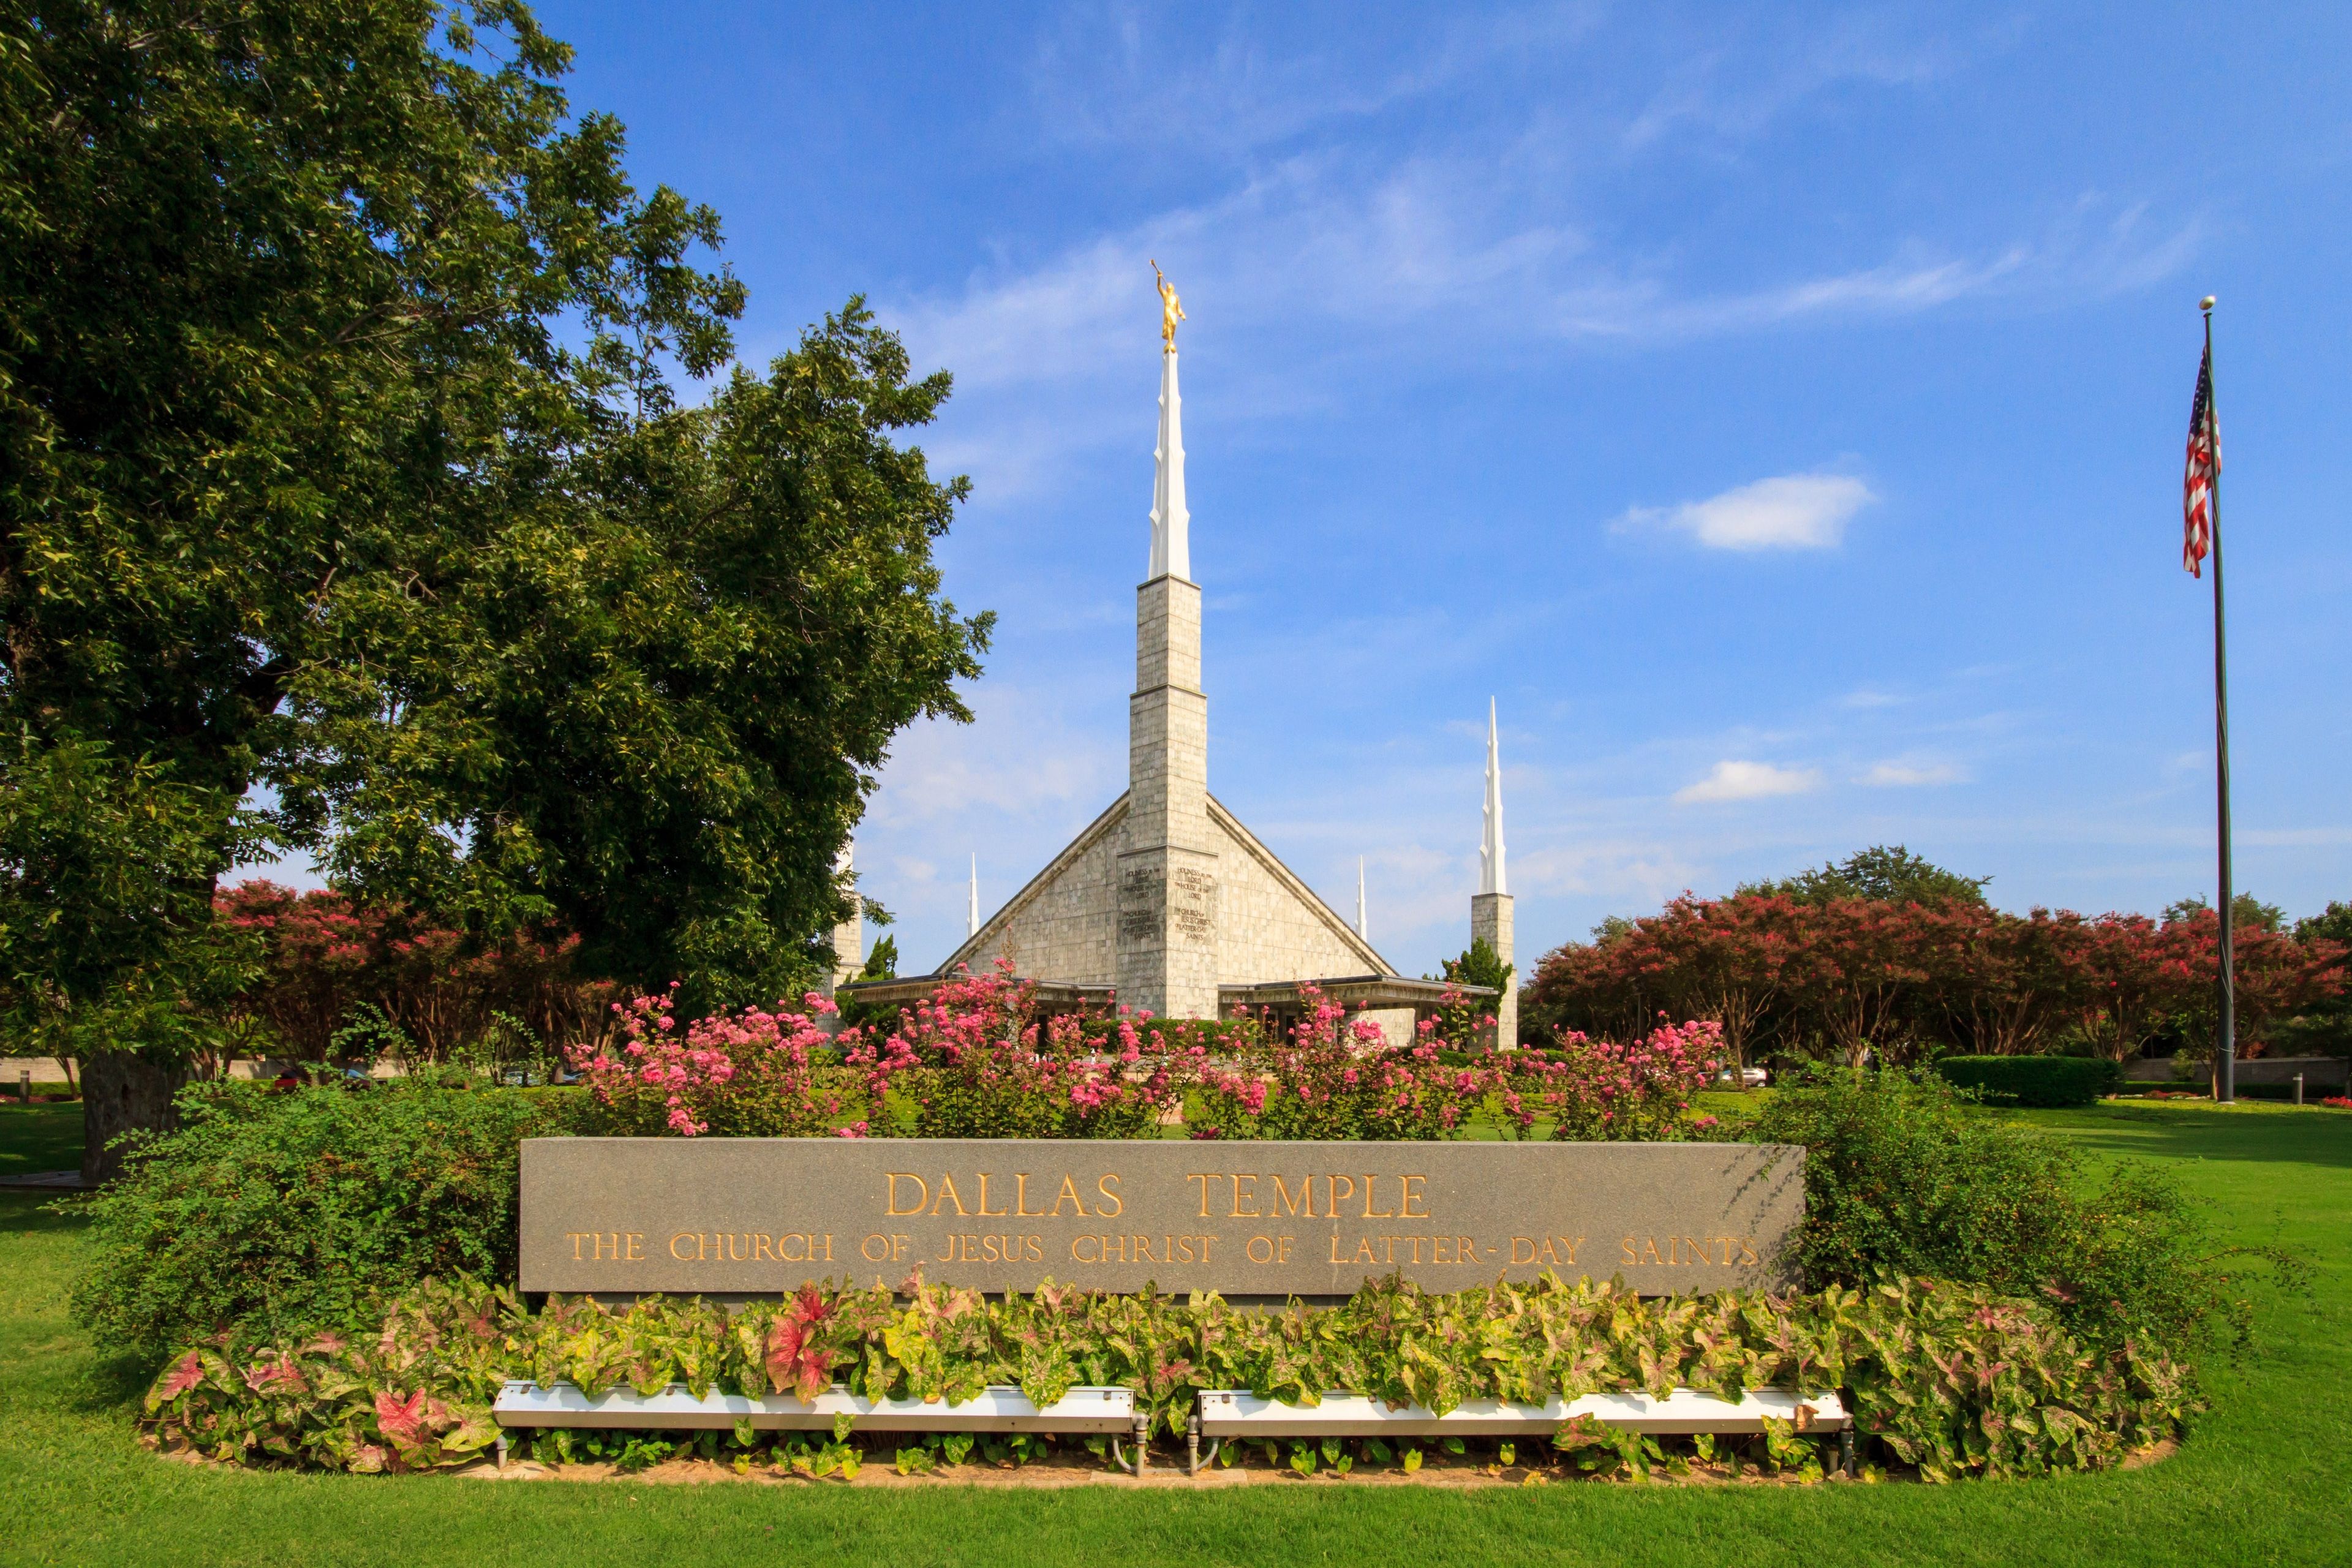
1650, 1249
1406, 1212
1143, 1250
1282, 1249
1204, 1178
1036, 1248
1239, 1212
1363, 1251
799, 1256
1284, 1204
1069, 1193
1331, 1193
899, 1242
674, 1252
985, 1212
1250, 1248
947, 1190
1078, 1241
1335, 1248
1465, 1250
746, 1240
1518, 1242
1572, 1246
633, 1255
762, 1248
1118, 1204
949, 1255
828, 1247
1746, 1251
921, 1186
1369, 1212
1020, 1198
1628, 1245
1436, 1248
577, 1237
866, 1247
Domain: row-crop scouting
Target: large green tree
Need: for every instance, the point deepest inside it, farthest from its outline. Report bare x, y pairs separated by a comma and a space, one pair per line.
346, 505
1886, 874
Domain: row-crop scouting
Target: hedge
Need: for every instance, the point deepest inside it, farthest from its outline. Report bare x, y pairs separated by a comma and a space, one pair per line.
2044, 1081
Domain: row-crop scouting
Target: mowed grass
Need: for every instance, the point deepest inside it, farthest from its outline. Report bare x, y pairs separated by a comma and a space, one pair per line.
2265, 1478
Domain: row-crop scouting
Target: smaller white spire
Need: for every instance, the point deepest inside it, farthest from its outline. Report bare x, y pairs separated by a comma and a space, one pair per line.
1171, 524
1362, 929
1491, 876
971, 910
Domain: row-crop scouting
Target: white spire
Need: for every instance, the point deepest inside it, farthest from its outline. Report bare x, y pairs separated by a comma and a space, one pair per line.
1362, 929
1172, 539
1491, 878
971, 912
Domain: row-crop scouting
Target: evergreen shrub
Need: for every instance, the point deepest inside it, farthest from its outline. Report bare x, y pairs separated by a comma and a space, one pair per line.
1904, 1178
2045, 1082
288, 1211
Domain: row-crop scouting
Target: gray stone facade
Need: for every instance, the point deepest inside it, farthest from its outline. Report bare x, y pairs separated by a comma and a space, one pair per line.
1490, 917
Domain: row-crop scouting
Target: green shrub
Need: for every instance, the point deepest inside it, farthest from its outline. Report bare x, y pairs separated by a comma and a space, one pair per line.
2041, 1081
1906, 1178
282, 1212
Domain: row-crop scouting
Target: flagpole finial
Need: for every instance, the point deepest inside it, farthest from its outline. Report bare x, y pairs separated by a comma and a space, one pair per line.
2206, 304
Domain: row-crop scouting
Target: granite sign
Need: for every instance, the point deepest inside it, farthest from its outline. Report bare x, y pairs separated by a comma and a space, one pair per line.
733, 1215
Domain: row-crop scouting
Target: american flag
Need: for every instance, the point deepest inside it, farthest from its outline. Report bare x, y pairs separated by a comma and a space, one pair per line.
2204, 463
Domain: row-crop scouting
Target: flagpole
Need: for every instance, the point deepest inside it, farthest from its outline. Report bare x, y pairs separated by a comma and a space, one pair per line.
2225, 1042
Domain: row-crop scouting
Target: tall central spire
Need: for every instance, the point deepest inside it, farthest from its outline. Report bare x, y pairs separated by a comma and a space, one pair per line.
1172, 539
1491, 876
1166, 942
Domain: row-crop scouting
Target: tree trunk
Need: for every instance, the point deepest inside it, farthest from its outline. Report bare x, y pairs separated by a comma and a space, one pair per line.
121, 1092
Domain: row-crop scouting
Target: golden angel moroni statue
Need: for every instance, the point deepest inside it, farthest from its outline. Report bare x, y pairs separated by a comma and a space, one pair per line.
1171, 309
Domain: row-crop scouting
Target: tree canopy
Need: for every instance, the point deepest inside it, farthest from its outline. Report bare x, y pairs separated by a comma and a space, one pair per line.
348, 504
1882, 874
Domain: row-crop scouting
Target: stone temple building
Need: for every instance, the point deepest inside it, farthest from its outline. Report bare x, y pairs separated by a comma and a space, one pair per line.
1167, 899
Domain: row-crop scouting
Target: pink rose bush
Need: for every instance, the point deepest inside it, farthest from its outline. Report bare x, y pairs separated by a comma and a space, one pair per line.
981, 1058
1597, 1091
978, 1060
1334, 1077
747, 1074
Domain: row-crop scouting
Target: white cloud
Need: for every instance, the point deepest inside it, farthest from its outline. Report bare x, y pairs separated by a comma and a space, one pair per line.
1904, 775
1748, 780
1794, 512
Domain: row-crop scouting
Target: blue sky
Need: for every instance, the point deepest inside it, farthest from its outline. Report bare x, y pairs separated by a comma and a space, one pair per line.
1780, 411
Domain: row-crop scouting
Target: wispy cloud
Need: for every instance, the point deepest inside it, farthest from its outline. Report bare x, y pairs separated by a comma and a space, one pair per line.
1794, 512
1735, 92
1902, 775
1748, 780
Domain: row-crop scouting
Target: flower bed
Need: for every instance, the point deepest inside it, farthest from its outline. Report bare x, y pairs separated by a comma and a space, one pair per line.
1949, 1380
980, 1060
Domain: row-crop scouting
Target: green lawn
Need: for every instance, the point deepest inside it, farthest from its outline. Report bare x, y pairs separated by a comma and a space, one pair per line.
2265, 1478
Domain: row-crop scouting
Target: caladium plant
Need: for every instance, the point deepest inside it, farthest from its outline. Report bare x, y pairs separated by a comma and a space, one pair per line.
1952, 1380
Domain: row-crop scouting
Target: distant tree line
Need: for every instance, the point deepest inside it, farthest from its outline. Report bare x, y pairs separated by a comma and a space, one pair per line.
1887, 956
